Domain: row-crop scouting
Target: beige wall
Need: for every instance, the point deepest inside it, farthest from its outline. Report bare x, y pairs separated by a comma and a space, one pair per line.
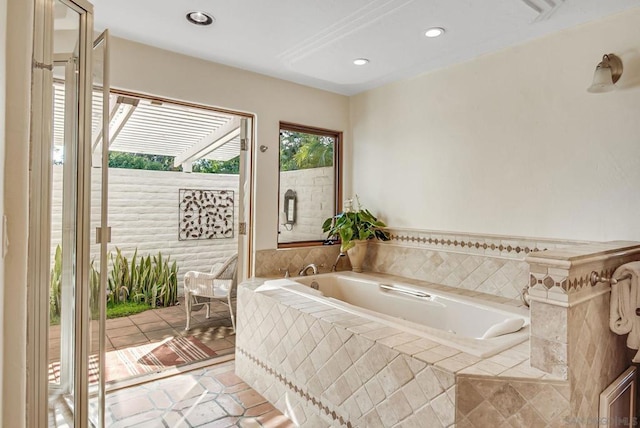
18, 60
3, 66
143, 68
510, 143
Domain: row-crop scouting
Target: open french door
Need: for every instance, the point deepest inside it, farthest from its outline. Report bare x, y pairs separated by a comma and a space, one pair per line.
244, 207
67, 294
99, 176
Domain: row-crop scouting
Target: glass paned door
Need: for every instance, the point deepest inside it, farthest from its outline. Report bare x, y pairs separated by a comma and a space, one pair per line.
63, 207
244, 206
101, 109
59, 256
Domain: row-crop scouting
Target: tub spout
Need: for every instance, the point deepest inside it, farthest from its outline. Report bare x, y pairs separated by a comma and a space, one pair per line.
312, 266
335, 265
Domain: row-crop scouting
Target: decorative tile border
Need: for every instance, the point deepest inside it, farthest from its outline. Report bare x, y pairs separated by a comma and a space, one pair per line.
492, 245
295, 388
463, 244
564, 277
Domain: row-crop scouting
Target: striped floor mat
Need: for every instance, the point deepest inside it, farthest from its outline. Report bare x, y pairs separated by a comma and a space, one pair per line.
148, 358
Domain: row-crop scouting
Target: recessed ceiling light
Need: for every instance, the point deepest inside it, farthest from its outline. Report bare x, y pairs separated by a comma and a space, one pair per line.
200, 18
361, 61
434, 32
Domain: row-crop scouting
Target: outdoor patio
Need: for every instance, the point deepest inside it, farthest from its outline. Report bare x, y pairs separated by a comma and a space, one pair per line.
148, 330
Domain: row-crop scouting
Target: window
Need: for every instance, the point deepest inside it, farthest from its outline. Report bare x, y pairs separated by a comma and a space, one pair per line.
310, 185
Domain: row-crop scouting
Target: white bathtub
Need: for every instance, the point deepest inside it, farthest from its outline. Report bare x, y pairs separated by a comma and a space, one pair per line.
467, 324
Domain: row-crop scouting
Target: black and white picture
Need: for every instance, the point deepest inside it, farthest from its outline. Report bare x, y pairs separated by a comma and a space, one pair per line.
205, 214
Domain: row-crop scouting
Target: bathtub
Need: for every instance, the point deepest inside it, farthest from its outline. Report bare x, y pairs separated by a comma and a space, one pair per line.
467, 324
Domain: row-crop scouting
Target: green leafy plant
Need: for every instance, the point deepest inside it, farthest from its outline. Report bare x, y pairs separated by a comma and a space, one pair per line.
352, 225
55, 289
94, 291
301, 150
147, 281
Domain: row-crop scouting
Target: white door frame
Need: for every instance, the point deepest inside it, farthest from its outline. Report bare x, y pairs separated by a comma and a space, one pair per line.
38, 259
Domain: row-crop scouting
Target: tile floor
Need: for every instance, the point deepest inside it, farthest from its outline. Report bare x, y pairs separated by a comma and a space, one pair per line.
212, 397
209, 397
157, 324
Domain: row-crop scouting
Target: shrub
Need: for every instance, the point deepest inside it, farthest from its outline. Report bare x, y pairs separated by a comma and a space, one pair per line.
150, 280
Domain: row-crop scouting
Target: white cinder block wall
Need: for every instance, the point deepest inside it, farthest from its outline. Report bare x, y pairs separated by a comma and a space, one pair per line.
314, 199
143, 214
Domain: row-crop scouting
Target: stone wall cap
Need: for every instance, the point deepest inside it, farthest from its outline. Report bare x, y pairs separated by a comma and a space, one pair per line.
584, 253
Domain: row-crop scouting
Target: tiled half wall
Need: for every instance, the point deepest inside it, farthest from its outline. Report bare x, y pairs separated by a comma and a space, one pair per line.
321, 373
570, 335
486, 263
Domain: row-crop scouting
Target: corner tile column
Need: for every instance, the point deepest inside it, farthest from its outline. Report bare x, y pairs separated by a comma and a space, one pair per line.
570, 335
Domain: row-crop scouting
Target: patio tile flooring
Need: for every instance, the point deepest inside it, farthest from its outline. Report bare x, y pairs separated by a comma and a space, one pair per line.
158, 324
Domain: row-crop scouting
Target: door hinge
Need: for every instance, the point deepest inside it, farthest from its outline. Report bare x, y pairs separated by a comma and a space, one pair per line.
244, 146
99, 235
242, 228
37, 64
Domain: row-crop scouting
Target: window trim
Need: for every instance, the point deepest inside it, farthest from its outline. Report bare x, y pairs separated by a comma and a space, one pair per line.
337, 166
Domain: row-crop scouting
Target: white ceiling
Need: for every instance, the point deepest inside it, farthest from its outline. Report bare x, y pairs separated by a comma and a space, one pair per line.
313, 42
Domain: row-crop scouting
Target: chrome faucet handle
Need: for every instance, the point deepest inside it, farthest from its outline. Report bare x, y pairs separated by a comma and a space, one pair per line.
312, 266
286, 272
334, 268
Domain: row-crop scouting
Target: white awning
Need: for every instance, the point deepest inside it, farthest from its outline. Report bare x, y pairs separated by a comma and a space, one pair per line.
150, 127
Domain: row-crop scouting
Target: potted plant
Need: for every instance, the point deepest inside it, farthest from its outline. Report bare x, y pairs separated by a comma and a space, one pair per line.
355, 228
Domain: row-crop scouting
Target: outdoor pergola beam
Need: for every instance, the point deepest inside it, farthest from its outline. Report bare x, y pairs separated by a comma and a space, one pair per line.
113, 106
133, 103
210, 142
116, 123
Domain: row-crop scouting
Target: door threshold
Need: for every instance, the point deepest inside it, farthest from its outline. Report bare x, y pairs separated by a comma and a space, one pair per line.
150, 377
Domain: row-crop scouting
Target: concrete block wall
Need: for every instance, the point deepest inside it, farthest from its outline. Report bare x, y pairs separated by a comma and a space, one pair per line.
314, 189
143, 214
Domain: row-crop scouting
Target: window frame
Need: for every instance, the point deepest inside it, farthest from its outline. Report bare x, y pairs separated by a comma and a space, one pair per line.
337, 167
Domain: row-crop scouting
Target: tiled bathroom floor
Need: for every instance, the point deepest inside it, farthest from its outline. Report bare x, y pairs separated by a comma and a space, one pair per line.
212, 397
209, 397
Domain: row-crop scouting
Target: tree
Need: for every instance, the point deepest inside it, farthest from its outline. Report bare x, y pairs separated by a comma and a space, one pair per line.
232, 166
165, 163
141, 161
300, 150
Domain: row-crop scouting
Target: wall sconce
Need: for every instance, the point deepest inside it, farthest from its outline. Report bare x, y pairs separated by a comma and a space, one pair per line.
607, 73
290, 202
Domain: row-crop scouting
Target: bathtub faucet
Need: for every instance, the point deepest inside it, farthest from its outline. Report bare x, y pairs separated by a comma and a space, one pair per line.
312, 266
335, 265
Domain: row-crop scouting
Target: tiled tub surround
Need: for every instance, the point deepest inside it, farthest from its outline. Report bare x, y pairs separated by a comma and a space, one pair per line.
276, 262
570, 335
323, 366
572, 349
471, 325
487, 263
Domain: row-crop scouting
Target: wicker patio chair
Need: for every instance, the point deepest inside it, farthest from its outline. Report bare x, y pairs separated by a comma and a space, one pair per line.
201, 288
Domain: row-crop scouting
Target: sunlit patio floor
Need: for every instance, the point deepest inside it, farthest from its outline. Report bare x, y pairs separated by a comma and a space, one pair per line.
156, 325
